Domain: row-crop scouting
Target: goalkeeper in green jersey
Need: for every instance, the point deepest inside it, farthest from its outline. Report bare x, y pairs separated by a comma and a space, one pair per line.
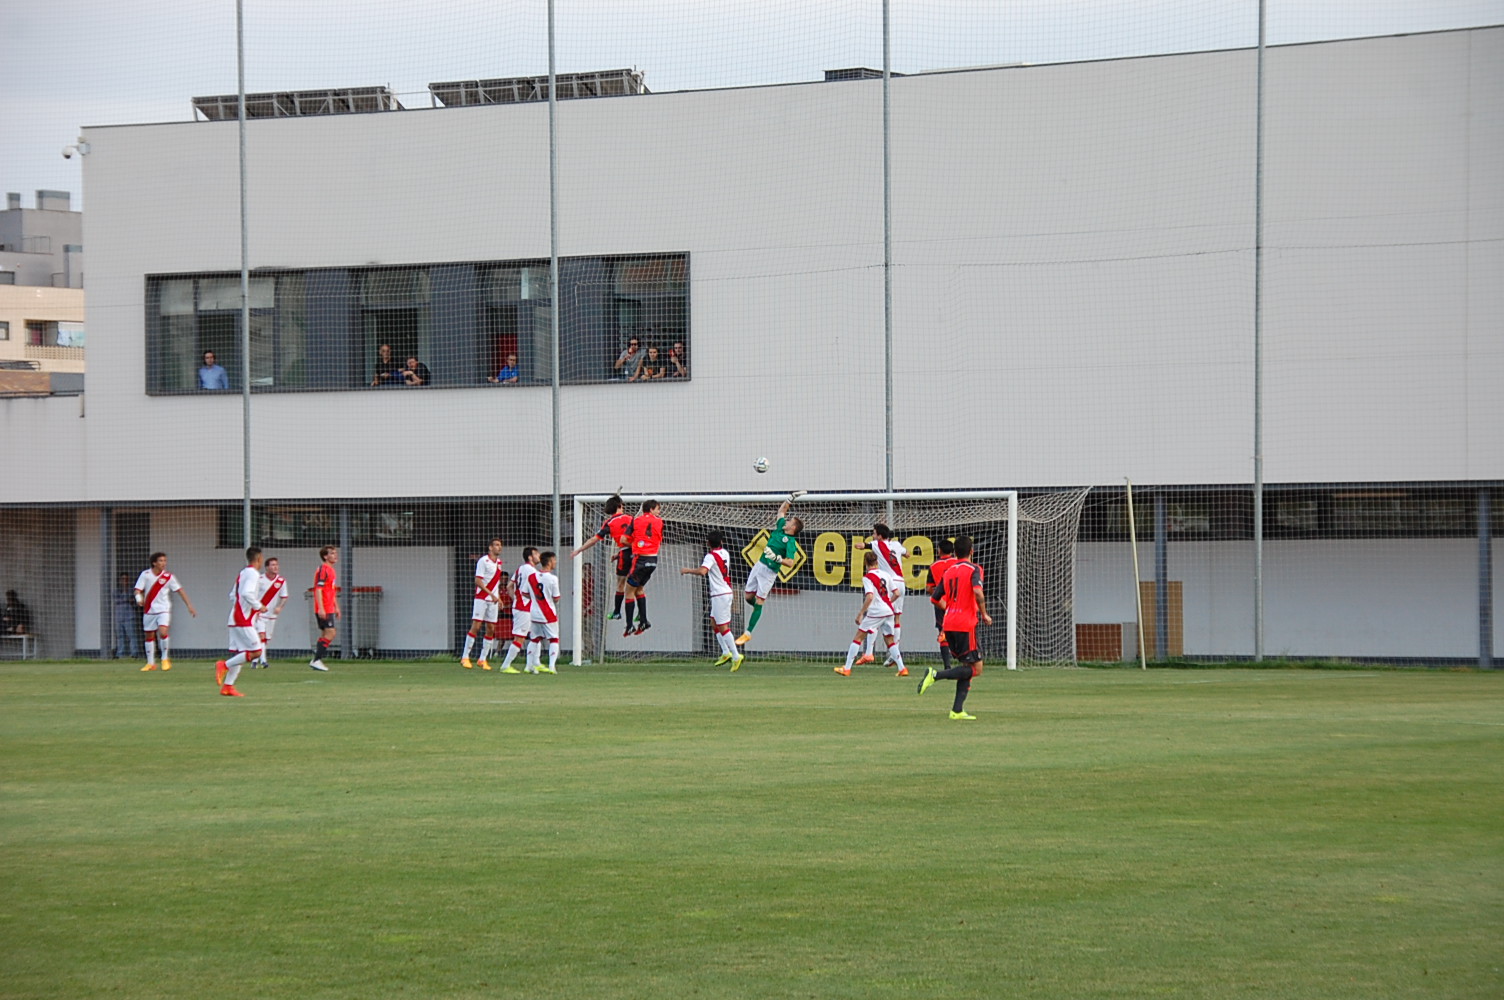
776, 554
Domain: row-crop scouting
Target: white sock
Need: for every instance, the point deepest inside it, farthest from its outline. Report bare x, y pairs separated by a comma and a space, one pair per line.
553, 653
469, 645
513, 649
234, 663
728, 644
487, 648
151, 651
896, 656
532, 652
867, 643
166, 646
852, 651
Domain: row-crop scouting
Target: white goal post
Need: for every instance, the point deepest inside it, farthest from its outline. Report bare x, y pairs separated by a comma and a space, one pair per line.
747, 513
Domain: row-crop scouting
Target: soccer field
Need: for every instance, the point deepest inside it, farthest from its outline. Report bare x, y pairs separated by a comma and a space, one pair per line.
663, 830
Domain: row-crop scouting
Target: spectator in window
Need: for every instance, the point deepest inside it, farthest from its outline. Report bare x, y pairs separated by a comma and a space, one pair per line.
127, 620
211, 375
508, 374
17, 615
630, 360
388, 371
416, 373
678, 364
650, 368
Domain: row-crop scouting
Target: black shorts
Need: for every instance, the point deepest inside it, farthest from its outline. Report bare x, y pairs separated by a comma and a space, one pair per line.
642, 571
325, 621
963, 646
623, 562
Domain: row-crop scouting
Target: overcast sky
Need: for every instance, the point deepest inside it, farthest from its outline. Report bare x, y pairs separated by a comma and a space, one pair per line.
70, 63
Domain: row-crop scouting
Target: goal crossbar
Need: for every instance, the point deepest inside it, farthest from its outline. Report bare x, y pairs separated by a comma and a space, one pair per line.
577, 595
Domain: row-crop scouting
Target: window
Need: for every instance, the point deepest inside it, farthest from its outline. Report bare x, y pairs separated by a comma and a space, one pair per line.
313, 526
7, 277
190, 317
4, 329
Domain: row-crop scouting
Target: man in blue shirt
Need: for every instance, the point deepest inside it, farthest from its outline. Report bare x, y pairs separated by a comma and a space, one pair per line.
508, 374
127, 620
211, 375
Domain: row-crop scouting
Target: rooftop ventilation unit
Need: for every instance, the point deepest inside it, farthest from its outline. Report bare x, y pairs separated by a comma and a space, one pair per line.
297, 103
855, 73
521, 89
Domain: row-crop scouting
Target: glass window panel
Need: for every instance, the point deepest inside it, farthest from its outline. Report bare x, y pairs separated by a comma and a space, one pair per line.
175, 297
292, 330
224, 293
408, 286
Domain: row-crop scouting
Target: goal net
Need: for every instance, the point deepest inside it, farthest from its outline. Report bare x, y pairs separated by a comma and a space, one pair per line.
1025, 545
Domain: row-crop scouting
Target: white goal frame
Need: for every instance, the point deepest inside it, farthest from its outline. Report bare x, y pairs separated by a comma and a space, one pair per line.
1010, 601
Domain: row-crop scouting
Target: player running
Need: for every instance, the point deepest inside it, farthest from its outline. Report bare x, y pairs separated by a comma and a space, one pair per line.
485, 609
522, 608
716, 569
780, 550
877, 615
544, 617
154, 590
964, 603
273, 589
325, 603
646, 536
946, 550
616, 527
890, 553
246, 605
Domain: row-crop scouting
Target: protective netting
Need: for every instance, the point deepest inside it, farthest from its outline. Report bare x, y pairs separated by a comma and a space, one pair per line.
811, 611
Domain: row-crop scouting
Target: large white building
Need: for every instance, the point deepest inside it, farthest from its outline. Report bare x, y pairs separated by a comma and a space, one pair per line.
1073, 303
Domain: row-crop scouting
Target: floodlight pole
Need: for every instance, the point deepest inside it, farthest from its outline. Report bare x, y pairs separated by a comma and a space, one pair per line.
245, 292
553, 266
1258, 355
887, 260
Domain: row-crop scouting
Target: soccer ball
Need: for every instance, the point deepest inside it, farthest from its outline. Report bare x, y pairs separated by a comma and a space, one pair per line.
761, 465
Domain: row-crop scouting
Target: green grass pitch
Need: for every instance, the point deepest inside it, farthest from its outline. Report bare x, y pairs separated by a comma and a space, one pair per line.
667, 831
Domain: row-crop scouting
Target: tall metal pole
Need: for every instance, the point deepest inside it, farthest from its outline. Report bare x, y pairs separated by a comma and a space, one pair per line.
887, 258
1485, 581
1138, 590
245, 292
1161, 578
1258, 355
553, 265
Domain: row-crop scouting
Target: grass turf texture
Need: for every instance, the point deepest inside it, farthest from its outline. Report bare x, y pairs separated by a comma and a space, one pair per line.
671, 831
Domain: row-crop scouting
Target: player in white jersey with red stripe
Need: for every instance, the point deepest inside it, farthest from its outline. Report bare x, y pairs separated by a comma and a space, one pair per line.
522, 608
154, 590
716, 569
485, 610
890, 555
545, 616
878, 614
274, 598
246, 606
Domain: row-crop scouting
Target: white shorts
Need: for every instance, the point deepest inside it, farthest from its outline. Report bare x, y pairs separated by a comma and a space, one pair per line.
761, 580
244, 639
543, 630
720, 609
876, 623
150, 623
896, 590
482, 610
522, 622
268, 624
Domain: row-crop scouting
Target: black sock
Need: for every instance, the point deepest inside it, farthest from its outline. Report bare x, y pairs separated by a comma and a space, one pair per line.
642, 609
963, 686
619, 596
631, 610
944, 654
954, 673
323, 648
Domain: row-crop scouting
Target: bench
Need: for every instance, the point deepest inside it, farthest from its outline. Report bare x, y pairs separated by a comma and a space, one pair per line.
26, 643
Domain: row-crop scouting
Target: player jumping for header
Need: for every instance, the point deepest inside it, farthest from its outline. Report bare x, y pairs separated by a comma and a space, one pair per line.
779, 552
890, 555
715, 568
617, 527
646, 536
964, 603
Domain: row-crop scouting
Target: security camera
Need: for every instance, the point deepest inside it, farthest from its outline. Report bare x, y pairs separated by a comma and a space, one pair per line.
68, 152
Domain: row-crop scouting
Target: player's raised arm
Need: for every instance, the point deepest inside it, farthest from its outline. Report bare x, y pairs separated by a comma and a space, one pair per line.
588, 545
694, 571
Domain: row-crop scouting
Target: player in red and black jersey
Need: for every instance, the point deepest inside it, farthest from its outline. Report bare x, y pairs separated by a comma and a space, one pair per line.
945, 550
646, 537
617, 526
965, 604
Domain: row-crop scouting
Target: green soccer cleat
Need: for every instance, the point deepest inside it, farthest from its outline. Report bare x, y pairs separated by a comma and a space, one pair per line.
736, 662
963, 715
926, 680
724, 658
511, 670
547, 670
613, 616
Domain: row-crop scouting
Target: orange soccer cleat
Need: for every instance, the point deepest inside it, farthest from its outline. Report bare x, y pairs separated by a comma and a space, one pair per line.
220, 669
902, 672
229, 691
864, 658
843, 671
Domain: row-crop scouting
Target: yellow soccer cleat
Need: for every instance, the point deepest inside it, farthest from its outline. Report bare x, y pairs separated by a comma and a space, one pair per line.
166, 663
723, 658
963, 715
736, 662
511, 670
149, 666
484, 665
927, 680
547, 670
465, 662
843, 670
744, 638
